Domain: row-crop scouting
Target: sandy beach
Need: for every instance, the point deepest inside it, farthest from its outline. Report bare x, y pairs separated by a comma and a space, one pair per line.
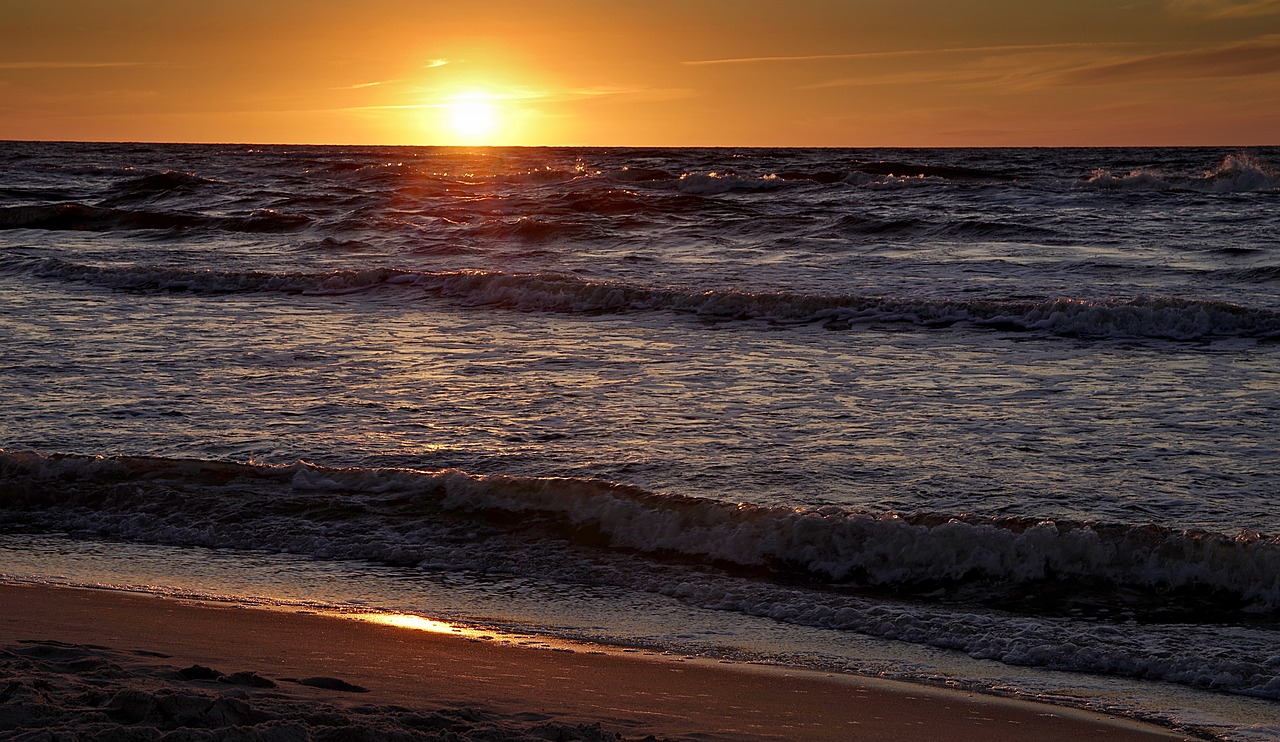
94, 663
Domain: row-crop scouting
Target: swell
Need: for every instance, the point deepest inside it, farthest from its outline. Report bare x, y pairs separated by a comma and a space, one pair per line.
1167, 318
82, 218
401, 515
142, 187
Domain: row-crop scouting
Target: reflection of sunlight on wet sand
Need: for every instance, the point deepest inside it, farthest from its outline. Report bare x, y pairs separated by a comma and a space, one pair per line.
527, 641
409, 621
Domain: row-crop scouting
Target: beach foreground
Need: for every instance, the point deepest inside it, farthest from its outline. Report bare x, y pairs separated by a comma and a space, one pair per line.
95, 663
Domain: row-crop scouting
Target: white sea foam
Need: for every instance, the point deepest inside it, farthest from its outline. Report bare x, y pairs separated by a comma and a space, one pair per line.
1238, 173
1241, 173
831, 543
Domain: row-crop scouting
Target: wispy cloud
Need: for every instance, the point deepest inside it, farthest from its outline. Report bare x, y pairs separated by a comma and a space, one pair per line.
959, 76
363, 85
47, 65
430, 65
617, 91
1010, 67
900, 53
1259, 57
1040, 67
1225, 8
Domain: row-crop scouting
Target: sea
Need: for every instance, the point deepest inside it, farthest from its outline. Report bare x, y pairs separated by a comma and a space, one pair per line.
1003, 420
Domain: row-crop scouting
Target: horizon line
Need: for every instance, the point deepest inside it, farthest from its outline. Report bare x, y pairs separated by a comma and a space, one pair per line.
636, 146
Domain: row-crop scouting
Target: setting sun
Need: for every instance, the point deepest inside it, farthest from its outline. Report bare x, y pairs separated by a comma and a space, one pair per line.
473, 118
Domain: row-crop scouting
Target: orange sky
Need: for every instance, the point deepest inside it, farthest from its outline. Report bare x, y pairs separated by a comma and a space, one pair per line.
658, 72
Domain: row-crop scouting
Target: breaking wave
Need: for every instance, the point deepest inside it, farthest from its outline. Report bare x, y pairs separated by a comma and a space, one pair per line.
1238, 173
395, 509
1142, 317
822, 567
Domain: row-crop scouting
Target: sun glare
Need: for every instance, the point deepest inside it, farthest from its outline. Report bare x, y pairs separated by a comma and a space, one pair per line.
473, 118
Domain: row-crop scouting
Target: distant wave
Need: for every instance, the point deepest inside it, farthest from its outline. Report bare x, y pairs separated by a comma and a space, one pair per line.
82, 218
969, 229
1262, 274
713, 183
1142, 317
918, 170
1237, 173
453, 520
161, 182
642, 174
856, 173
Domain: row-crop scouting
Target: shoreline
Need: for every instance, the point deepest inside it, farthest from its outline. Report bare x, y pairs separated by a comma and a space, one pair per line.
631, 694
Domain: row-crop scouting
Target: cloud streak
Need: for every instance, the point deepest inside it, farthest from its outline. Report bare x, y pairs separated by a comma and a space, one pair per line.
1041, 67
1225, 8
1259, 57
363, 85
48, 65
430, 65
901, 53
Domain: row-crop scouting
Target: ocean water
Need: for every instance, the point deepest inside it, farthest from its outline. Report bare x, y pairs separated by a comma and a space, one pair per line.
1004, 419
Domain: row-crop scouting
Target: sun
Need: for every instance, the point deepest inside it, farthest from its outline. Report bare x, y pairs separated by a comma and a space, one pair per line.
473, 118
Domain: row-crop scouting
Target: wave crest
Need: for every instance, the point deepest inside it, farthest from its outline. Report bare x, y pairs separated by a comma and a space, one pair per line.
1142, 317
1237, 173
705, 184
160, 182
880, 550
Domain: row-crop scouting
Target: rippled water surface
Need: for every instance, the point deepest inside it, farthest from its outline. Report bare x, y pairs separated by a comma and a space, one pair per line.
951, 377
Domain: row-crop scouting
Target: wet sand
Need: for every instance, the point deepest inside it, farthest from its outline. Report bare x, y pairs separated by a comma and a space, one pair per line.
121, 656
